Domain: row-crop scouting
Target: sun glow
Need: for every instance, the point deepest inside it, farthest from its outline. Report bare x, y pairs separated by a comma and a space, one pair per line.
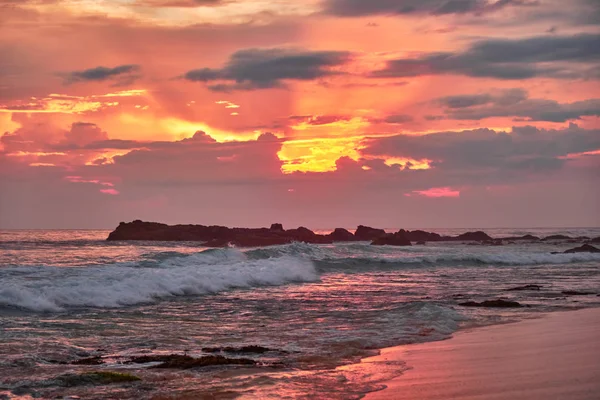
317, 155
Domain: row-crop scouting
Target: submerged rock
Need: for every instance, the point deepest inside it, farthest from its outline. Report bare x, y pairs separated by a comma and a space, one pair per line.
392, 239
492, 304
245, 349
186, 362
95, 378
557, 237
97, 360
526, 287
576, 293
586, 248
368, 233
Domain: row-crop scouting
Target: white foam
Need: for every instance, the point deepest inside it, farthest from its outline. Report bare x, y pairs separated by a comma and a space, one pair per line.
54, 289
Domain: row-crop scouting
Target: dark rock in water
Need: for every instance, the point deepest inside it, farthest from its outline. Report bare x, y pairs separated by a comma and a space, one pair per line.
525, 237
595, 240
186, 362
392, 239
557, 237
492, 304
244, 349
95, 378
479, 236
421, 243
368, 233
341, 235
421, 236
526, 287
576, 293
586, 248
89, 361
276, 228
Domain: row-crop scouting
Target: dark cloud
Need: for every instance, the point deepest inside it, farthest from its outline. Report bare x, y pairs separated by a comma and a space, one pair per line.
358, 8
268, 68
508, 59
516, 103
398, 119
121, 75
484, 151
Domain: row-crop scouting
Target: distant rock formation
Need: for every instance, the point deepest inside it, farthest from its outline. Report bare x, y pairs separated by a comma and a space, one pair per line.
222, 236
479, 236
215, 236
392, 239
342, 235
367, 233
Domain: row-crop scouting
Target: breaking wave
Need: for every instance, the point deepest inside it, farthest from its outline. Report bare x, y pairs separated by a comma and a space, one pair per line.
117, 285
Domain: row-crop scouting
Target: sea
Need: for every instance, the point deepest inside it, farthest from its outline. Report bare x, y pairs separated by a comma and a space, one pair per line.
68, 295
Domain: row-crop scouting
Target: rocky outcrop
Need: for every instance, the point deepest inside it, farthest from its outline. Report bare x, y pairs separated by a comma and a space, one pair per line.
478, 236
392, 239
368, 233
595, 240
186, 362
422, 236
492, 304
525, 237
586, 248
341, 235
215, 236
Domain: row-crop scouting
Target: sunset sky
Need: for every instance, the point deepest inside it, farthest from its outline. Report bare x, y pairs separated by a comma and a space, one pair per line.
323, 113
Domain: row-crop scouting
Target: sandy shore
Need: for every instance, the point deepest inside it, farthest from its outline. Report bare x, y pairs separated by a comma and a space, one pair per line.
554, 357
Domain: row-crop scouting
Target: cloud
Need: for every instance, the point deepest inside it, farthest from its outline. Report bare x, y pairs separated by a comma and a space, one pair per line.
252, 69
179, 3
516, 103
359, 8
121, 75
481, 153
508, 59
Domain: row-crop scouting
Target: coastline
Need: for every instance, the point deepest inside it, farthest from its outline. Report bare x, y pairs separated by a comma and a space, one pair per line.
554, 356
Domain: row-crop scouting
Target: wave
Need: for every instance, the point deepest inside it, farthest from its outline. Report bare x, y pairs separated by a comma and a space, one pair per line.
365, 255
55, 288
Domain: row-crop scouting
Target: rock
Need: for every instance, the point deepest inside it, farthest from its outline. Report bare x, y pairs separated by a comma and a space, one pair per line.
187, 362
245, 349
95, 378
492, 304
495, 242
421, 243
576, 293
479, 236
215, 236
586, 248
97, 360
525, 237
392, 239
368, 233
526, 287
341, 235
557, 237
276, 228
595, 240
421, 236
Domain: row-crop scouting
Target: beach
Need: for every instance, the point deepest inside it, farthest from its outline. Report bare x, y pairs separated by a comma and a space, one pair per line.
556, 356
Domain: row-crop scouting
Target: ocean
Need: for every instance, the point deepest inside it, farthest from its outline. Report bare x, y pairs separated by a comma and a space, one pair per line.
69, 295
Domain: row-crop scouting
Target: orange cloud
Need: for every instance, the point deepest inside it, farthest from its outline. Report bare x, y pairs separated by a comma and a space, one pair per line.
437, 192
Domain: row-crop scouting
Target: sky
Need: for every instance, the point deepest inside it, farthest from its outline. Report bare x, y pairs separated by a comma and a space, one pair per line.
322, 113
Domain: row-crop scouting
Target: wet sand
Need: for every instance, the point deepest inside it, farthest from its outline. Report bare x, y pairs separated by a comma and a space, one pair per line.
553, 357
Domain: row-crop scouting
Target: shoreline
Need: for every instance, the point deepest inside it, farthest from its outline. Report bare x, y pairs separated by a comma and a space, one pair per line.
554, 356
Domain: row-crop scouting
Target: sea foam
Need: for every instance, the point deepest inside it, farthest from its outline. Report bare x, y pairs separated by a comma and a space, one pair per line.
55, 288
